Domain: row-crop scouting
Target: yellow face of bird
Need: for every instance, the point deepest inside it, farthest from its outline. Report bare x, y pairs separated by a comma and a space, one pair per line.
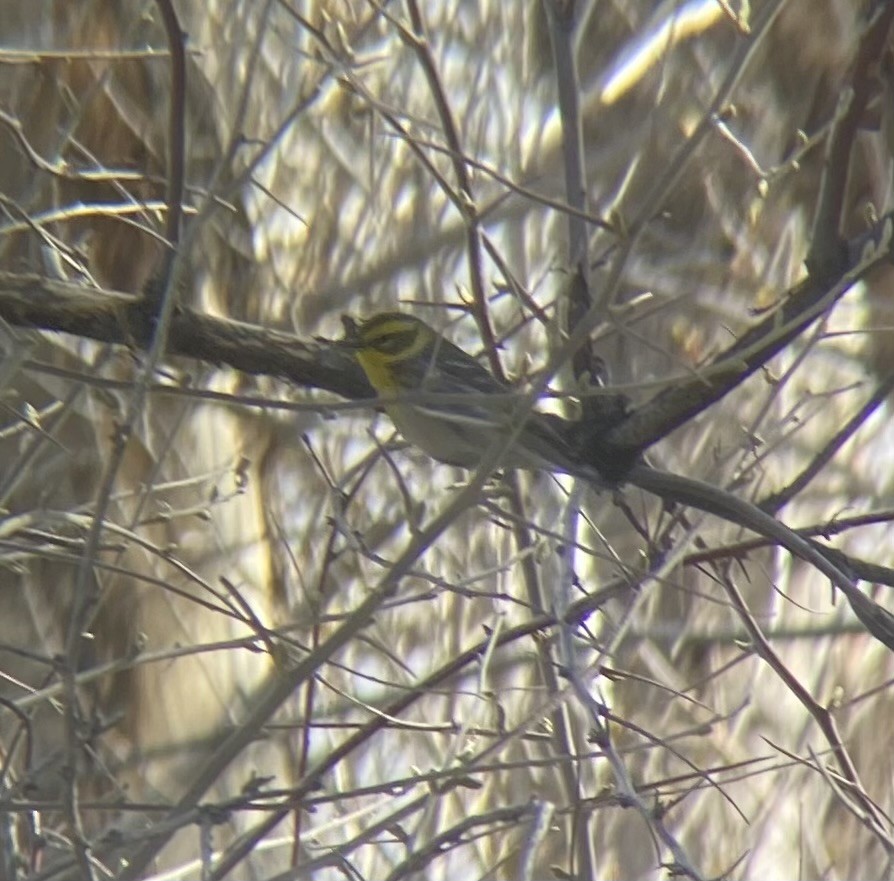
386, 340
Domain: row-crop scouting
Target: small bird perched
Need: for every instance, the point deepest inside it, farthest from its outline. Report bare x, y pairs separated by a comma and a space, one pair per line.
447, 404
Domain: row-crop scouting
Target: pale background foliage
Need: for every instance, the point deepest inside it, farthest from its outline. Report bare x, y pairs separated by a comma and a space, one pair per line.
324, 209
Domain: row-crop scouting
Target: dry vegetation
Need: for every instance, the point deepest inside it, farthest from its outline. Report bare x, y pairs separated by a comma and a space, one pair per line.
246, 633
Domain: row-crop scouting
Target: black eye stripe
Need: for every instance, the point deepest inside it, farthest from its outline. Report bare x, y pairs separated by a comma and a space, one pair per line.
395, 341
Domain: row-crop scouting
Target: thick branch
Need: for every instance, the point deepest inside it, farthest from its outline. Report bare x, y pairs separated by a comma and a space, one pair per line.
111, 317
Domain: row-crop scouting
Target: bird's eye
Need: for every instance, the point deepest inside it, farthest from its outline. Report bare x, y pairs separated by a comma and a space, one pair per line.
396, 342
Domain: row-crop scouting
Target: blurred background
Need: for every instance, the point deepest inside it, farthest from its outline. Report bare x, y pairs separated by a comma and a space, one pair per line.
244, 528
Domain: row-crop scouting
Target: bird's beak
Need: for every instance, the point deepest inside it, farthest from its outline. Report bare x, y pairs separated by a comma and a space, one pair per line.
351, 338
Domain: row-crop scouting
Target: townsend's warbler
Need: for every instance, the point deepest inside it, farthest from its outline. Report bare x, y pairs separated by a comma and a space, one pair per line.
444, 402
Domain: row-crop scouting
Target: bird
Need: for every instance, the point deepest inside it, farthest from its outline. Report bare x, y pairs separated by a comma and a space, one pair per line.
449, 405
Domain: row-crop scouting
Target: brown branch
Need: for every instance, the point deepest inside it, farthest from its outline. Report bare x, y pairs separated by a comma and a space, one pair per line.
872, 817
773, 503
827, 255
807, 302
418, 41
32, 301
